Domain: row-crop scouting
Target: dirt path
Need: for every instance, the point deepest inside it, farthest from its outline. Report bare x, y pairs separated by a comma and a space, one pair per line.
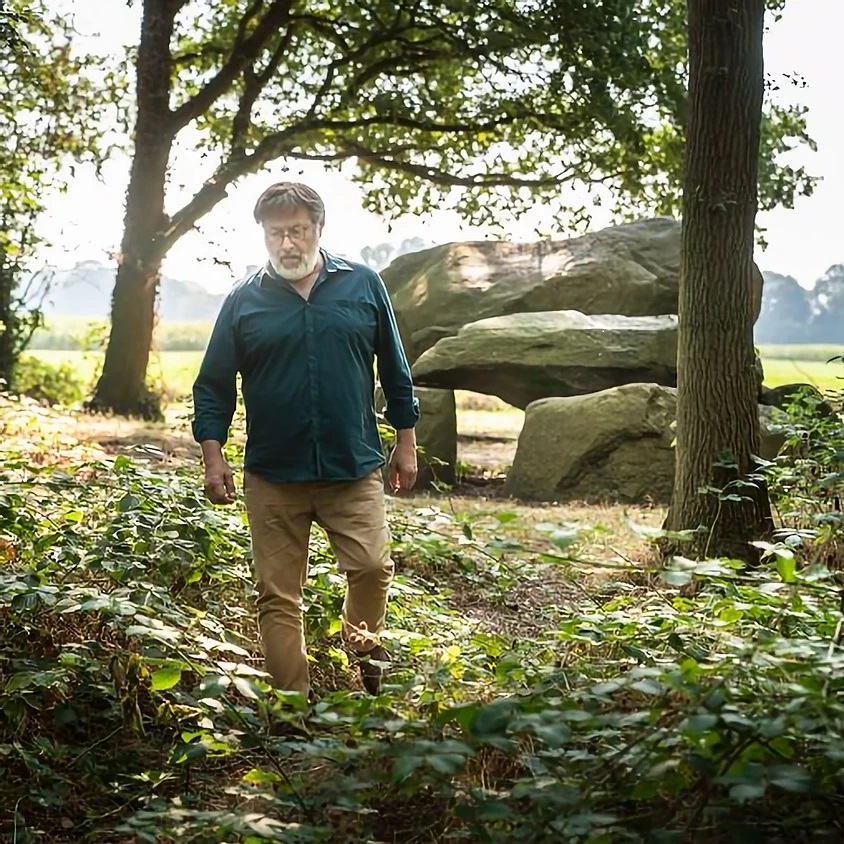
505, 582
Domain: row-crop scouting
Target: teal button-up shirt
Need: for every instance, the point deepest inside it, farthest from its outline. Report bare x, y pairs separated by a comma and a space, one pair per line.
307, 374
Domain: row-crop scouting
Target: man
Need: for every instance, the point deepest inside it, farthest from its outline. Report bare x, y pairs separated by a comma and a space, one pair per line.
304, 334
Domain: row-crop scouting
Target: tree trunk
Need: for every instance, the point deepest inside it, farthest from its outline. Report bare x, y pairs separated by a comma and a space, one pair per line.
7, 328
122, 386
717, 414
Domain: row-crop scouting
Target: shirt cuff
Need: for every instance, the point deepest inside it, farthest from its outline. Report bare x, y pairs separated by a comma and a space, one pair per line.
403, 415
203, 431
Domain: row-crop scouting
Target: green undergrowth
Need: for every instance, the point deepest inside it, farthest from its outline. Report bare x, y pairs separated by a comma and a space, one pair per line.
700, 702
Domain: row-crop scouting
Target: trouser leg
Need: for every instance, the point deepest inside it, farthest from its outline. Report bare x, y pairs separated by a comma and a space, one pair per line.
355, 520
280, 517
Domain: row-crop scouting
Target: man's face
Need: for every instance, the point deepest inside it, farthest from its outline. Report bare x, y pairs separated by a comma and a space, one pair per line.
292, 241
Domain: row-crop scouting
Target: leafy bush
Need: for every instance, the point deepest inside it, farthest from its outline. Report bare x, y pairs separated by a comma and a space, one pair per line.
703, 702
52, 384
808, 484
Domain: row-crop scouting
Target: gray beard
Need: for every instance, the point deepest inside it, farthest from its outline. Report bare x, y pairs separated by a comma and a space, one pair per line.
304, 268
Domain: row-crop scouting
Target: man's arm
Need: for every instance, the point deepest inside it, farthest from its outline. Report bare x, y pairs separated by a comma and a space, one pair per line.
402, 410
214, 402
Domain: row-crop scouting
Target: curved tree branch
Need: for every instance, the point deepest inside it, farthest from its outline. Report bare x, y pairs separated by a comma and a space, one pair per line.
253, 86
243, 54
434, 175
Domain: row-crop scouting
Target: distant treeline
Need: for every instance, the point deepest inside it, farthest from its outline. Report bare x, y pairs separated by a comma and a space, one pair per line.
792, 314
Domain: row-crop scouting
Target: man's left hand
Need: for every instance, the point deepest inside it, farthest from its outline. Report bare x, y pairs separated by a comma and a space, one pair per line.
402, 467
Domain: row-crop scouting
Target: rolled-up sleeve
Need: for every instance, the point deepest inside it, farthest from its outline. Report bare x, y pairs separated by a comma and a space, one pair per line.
215, 387
402, 410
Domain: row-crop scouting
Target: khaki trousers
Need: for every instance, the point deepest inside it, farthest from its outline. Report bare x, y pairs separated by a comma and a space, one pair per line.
353, 515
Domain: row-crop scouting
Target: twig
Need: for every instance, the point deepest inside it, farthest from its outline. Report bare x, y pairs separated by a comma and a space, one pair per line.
97, 743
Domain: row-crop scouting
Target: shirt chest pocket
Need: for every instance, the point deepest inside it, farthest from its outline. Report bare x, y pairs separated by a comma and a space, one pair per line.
350, 320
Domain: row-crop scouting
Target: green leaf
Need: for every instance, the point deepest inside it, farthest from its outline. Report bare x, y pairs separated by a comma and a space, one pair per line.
214, 686
195, 752
576, 715
128, 502
791, 778
648, 686
637, 653
700, 724
786, 565
446, 763
552, 735
404, 766
464, 714
565, 538
247, 688
491, 811
676, 578
165, 678
747, 791
492, 719
258, 777
20, 680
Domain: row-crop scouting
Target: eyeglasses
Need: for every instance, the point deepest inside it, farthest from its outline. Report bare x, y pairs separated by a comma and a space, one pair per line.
296, 234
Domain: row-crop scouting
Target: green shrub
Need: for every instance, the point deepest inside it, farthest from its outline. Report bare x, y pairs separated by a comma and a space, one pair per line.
48, 383
700, 701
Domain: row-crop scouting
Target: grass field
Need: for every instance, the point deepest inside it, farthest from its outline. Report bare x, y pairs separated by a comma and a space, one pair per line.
489, 427
477, 414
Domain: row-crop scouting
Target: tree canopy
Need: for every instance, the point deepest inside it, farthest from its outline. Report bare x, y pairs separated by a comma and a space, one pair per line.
11, 20
428, 96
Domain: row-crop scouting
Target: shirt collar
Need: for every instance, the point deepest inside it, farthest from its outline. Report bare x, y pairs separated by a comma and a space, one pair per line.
331, 264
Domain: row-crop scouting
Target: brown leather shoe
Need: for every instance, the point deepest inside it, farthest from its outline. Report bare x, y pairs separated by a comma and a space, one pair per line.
372, 665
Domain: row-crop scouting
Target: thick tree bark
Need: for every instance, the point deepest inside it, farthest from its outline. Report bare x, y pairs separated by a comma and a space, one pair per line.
122, 386
717, 415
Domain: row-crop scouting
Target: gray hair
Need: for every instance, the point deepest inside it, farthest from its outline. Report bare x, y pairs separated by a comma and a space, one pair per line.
287, 196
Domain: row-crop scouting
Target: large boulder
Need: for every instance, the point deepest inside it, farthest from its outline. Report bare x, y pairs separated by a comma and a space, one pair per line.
631, 269
612, 446
524, 357
436, 436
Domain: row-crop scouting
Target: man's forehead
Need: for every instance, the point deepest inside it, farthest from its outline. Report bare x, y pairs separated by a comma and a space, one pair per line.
288, 217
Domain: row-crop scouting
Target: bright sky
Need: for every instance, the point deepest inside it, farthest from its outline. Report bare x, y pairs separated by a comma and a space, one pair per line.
804, 241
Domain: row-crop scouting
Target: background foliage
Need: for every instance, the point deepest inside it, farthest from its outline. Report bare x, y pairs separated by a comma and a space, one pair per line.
57, 111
